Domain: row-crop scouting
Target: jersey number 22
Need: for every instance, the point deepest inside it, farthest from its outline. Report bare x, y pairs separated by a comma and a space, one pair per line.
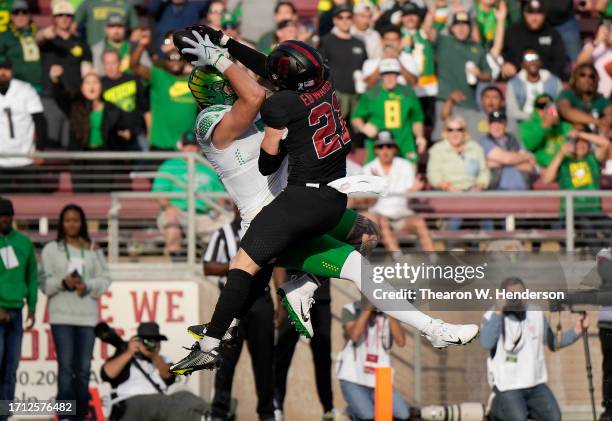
326, 139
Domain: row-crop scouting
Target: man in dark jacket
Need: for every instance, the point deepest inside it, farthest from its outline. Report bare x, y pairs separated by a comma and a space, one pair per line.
534, 32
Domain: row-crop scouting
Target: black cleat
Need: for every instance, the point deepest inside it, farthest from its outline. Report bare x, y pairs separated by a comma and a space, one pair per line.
229, 339
197, 360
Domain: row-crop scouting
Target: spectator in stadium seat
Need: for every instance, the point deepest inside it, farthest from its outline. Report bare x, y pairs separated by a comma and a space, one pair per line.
562, 16
510, 164
73, 274
140, 379
363, 16
392, 213
392, 48
534, 32
256, 328
461, 65
545, 132
415, 43
173, 216
285, 30
576, 166
599, 52
582, 104
59, 46
22, 125
214, 14
326, 17
94, 123
284, 10
457, 163
393, 107
345, 55
514, 333
19, 284
490, 18
94, 16
168, 15
491, 100
530, 82
320, 345
369, 336
128, 94
115, 38
19, 46
173, 109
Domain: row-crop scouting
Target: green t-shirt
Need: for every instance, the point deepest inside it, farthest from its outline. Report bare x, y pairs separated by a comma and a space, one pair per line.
581, 174
5, 14
95, 129
94, 13
487, 25
206, 181
18, 280
173, 108
21, 48
598, 105
396, 111
544, 143
452, 55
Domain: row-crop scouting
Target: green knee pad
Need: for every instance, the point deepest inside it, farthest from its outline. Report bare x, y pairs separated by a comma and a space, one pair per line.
321, 256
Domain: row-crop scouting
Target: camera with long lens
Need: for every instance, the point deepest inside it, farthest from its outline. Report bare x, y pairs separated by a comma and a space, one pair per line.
109, 335
465, 411
150, 344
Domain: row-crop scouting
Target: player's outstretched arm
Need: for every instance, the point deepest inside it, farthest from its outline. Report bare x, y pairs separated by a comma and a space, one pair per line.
271, 156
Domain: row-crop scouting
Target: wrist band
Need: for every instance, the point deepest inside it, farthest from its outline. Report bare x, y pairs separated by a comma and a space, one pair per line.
223, 63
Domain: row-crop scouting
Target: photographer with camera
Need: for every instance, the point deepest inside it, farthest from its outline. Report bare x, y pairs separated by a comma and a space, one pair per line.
515, 334
140, 377
369, 335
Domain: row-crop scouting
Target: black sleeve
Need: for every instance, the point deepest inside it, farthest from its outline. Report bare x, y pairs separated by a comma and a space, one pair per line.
142, 99
269, 164
252, 59
276, 110
558, 66
40, 127
123, 376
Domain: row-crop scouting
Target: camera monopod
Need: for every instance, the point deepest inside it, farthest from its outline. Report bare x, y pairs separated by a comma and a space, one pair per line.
589, 367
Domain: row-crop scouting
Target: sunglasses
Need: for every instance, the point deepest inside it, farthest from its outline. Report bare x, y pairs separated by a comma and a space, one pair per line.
385, 147
344, 17
63, 15
455, 129
20, 12
542, 105
589, 75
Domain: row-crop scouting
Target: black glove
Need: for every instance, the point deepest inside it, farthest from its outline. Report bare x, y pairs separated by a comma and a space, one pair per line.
214, 35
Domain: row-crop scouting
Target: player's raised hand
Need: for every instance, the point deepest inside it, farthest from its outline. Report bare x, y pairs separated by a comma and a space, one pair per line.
206, 52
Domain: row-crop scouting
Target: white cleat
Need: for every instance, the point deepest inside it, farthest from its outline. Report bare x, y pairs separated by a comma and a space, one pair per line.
297, 299
442, 334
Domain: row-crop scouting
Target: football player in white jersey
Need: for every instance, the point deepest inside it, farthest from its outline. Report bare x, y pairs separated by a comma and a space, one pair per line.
228, 132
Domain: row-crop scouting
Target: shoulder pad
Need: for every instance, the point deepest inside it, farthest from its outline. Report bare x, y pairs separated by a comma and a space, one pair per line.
208, 119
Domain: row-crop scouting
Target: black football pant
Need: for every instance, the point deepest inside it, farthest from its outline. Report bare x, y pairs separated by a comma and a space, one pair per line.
320, 345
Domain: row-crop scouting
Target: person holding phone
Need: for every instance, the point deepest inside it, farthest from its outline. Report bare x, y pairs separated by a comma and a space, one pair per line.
73, 274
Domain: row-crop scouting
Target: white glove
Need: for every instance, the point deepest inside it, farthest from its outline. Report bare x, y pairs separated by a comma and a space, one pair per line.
208, 54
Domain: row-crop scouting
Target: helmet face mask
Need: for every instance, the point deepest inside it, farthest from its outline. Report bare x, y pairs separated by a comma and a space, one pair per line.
209, 87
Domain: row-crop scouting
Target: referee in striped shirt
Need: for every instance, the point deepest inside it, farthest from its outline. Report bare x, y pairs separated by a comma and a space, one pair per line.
256, 327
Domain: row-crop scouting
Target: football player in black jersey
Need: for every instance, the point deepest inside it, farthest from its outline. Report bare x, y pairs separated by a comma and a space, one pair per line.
304, 114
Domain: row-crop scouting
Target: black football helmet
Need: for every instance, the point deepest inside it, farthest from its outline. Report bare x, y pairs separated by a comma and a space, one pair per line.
296, 66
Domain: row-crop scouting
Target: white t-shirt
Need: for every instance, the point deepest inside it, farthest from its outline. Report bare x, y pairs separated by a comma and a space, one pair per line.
400, 179
138, 384
16, 122
237, 165
406, 60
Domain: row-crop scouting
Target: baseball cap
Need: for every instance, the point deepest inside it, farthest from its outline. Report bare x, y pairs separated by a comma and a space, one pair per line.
364, 6
533, 6
389, 65
115, 19
340, 9
62, 7
6, 207
5, 63
20, 5
461, 17
498, 116
411, 9
384, 138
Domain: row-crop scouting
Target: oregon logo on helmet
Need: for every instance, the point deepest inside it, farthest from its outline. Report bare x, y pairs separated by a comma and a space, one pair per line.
209, 87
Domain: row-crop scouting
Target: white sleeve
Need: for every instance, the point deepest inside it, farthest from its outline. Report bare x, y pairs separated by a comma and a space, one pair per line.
207, 120
369, 66
409, 63
33, 104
